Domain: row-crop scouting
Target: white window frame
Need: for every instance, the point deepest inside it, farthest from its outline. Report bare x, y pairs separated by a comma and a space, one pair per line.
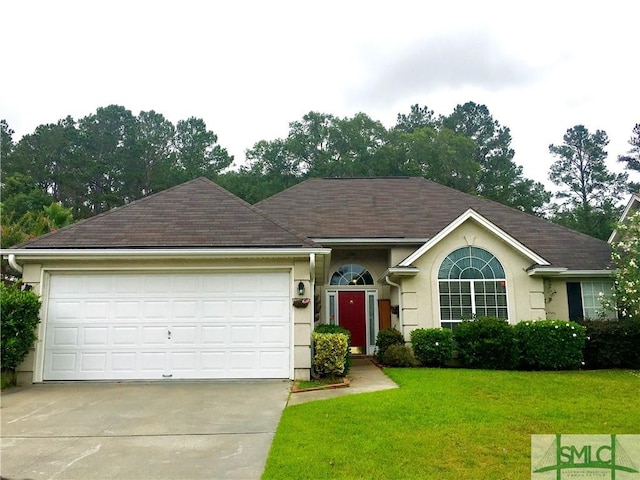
595, 287
472, 286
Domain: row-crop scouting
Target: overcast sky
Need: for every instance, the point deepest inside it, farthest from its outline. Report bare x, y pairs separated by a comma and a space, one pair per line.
248, 68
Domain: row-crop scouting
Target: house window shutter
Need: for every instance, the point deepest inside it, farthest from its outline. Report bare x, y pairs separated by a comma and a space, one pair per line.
574, 295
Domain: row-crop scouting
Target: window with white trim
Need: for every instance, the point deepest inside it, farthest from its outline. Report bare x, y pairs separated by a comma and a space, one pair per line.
471, 282
351, 274
586, 299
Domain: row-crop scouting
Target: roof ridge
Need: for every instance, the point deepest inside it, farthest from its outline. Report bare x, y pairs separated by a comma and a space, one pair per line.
256, 210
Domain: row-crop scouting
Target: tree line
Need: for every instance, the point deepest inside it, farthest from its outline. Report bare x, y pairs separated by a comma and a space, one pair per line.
74, 169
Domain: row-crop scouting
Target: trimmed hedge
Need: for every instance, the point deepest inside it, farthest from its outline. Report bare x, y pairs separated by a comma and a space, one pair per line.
330, 354
550, 344
398, 356
326, 328
19, 318
487, 342
432, 347
612, 343
387, 337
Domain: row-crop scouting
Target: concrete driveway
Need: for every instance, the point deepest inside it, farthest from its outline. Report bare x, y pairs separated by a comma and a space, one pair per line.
164, 430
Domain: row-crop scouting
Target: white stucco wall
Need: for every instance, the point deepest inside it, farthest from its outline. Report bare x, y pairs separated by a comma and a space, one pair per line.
525, 294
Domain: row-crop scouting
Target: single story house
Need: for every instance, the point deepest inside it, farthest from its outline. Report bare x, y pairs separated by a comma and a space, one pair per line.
194, 283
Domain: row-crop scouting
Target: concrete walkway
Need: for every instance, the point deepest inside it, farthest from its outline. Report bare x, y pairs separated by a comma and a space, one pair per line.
364, 376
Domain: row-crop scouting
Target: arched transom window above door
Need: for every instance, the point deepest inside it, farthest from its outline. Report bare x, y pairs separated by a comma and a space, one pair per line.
351, 274
471, 283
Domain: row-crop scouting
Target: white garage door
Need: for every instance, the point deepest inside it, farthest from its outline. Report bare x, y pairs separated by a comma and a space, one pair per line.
167, 325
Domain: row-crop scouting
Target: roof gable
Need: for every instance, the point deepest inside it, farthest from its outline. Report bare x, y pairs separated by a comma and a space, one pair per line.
472, 215
416, 208
196, 214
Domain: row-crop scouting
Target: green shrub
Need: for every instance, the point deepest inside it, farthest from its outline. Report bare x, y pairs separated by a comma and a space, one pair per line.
550, 344
330, 354
612, 343
486, 342
387, 337
338, 329
19, 318
398, 356
433, 347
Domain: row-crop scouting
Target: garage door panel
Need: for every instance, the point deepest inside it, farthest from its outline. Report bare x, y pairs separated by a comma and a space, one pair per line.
185, 309
125, 335
183, 361
93, 362
98, 286
165, 325
215, 310
153, 335
124, 310
96, 311
243, 309
215, 334
243, 335
273, 284
157, 285
154, 310
123, 362
215, 284
214, 362
273, 336
65, 337
185, 335
154, 361
270, 309
244, 284
95, 336
67, 286
65, 310
272, 360
129, 285
63, 362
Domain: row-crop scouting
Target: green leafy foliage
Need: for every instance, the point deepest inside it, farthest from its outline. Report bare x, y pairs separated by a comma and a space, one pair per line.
387, 337
632, 159
625, 253
433, 347
19, 317
330, 354
589, 191
486, 342
550, 344
398, 356
612, 343
338, 329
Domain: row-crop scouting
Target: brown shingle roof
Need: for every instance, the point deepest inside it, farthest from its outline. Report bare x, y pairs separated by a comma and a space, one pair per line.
401, 207
195, 214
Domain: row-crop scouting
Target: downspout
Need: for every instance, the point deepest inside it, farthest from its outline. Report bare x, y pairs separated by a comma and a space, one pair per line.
397, 285
14, 264
312, 287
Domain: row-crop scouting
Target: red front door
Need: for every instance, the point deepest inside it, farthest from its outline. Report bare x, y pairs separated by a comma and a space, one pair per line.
351, 315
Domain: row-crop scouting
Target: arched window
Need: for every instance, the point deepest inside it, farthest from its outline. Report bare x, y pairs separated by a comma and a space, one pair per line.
351, 274
471, 282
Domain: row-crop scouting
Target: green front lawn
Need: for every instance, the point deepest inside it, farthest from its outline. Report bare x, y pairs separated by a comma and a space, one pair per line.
449, 424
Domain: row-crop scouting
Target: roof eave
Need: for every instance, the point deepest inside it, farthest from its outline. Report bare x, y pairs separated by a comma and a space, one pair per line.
399, 272
488, 225
368, 241
161, 253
